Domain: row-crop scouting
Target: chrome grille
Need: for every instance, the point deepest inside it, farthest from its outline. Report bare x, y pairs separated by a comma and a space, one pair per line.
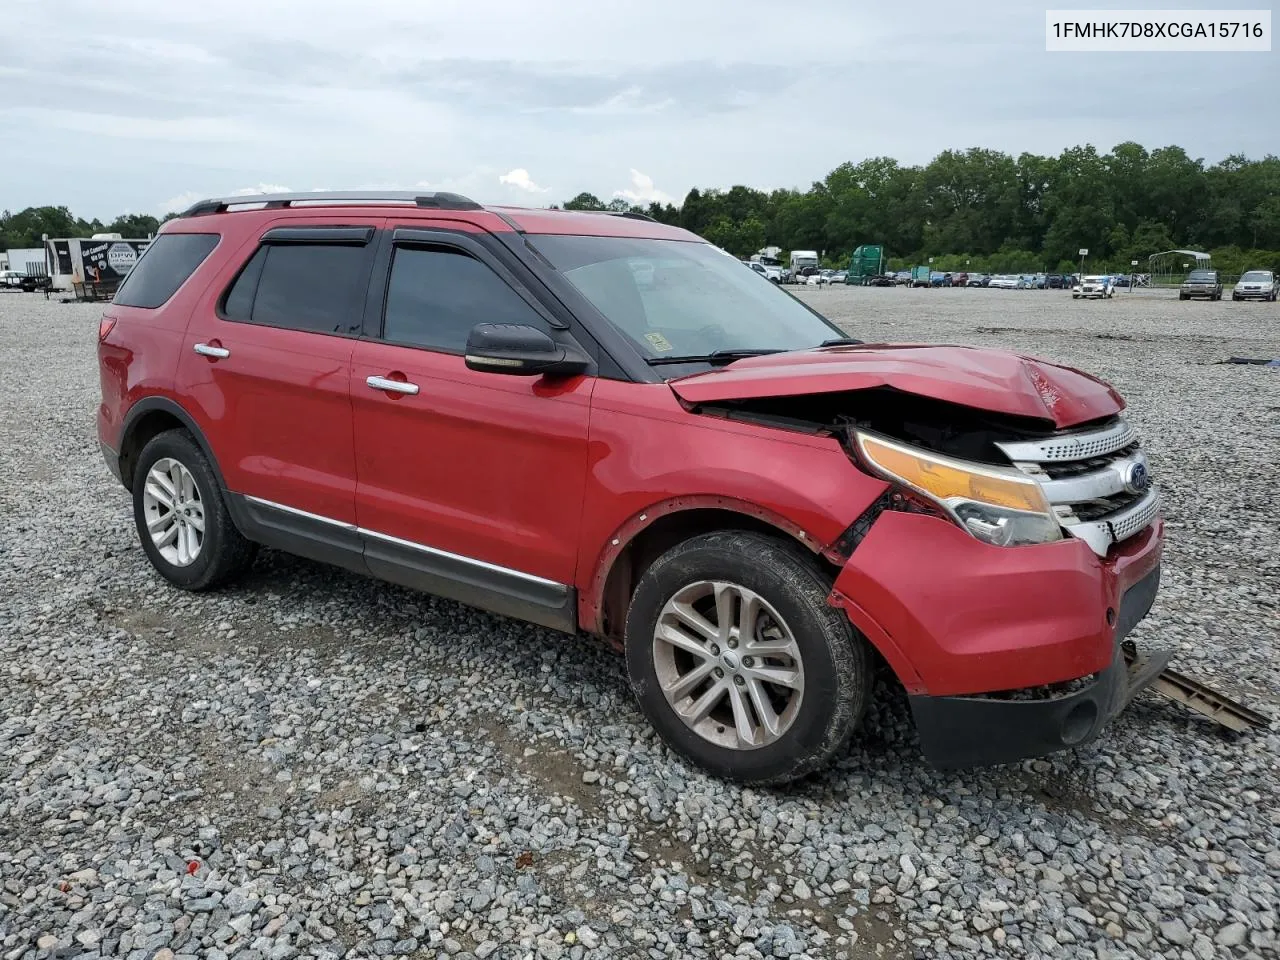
1097, 482
1073, 446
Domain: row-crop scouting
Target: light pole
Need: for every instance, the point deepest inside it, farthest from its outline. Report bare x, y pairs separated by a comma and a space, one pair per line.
1084, 252
1132, 273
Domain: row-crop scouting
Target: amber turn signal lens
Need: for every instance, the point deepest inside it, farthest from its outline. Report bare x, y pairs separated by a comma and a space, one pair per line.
948, 480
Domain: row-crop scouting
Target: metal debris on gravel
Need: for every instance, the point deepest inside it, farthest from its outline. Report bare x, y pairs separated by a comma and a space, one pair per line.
312, 764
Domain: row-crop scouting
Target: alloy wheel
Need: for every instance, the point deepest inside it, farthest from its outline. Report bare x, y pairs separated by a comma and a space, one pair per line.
728, 664
174, 512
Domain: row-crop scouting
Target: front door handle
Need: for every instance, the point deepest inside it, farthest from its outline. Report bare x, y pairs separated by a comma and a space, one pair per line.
208, 350
394, 386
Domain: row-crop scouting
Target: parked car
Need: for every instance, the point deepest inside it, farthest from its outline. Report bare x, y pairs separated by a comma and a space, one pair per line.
1201, 283
1024, 282
1039, 281
1003, 281
902, 278
1120, 280
937, 279
1093, 288
883, 280
959, 280
978, 280
1255, 285
837, 277
531, 411
10, 279
1056, 281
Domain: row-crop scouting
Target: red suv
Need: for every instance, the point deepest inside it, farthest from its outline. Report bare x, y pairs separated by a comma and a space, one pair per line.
597, 422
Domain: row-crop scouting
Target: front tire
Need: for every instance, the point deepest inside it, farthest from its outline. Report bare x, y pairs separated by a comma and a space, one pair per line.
182, 518
739, 662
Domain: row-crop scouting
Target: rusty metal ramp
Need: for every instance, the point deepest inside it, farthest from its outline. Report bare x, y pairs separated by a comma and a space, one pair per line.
1192, 694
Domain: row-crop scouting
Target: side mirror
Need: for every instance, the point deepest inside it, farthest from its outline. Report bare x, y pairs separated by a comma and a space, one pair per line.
523, 351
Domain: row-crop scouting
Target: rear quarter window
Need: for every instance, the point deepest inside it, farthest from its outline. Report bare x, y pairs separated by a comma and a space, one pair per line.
168, 262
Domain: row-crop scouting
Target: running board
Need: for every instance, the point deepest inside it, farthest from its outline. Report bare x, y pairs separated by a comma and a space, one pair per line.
1190, 693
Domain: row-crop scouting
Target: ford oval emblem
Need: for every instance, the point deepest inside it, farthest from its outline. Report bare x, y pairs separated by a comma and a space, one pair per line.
1136, 478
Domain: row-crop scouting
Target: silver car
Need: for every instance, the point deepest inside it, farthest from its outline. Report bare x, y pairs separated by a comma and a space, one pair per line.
1255, 285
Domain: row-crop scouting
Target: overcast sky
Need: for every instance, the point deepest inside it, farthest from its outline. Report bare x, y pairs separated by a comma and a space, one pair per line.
146, 105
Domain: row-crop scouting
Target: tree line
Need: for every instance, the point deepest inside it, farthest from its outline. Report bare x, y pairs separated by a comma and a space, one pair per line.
26, 227
974, 209
989, 211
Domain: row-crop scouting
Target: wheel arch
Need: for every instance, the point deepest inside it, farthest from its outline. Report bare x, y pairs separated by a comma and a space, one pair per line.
628, 553
150, 417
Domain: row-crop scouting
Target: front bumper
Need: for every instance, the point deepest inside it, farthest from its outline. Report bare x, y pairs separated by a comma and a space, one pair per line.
978, 731
1252, 294
958, 620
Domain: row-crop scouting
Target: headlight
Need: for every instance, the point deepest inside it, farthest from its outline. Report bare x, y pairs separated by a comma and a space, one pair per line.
998, 506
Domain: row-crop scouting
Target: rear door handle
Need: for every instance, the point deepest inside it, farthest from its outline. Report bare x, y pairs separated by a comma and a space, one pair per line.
205, 350
395, 386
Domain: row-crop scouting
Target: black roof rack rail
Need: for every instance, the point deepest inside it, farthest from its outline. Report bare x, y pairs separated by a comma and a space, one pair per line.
631, 215
273, 201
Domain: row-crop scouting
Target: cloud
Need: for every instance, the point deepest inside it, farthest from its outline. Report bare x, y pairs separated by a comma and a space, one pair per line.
260, 188
179, 203
300, 91
642, 190
519, 178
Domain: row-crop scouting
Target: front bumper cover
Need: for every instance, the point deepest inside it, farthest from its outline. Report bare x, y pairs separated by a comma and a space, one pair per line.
968, 731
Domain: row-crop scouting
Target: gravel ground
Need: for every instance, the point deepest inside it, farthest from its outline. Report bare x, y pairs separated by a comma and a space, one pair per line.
314, 764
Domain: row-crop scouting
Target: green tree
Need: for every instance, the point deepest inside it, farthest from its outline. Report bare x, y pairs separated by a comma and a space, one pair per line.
585, 201
133, 225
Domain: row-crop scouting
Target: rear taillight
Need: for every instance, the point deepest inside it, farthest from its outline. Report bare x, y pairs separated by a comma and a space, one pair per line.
104, 327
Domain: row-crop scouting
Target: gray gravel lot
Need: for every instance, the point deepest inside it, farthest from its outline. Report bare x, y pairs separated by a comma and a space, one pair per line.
314, 764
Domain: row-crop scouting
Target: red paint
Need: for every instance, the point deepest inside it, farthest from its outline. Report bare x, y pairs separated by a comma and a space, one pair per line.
984, 379
556, 478
967, 617
487, 466
649, 455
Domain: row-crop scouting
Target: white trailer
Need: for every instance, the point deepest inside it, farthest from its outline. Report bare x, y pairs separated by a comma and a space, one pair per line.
802, 260
26, 260
91, 265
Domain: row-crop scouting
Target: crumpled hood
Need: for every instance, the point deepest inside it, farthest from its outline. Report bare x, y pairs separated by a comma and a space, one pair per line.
984, 379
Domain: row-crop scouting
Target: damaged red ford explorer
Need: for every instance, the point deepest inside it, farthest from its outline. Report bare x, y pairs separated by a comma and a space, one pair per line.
597, 422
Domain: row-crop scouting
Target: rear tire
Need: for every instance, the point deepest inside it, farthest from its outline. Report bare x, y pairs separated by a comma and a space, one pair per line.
739, 606
182, 517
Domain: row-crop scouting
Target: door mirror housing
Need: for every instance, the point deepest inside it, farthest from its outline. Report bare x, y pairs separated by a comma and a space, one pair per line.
523, 351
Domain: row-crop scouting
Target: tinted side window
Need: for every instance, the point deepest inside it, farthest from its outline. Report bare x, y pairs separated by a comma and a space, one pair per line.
238, 304
168, 262
436, 296
315, 287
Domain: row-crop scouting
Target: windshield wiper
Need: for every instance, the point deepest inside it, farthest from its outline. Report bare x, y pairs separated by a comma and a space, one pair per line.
840, 342
715, 356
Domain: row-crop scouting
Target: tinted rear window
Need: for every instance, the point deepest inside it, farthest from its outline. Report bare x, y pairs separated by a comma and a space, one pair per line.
168, 262
315, 287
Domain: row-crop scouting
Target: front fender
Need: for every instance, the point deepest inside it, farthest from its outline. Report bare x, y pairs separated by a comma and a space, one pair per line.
645, 466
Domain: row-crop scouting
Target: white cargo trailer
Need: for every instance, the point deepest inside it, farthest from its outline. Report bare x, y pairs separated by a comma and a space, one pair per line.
92, 266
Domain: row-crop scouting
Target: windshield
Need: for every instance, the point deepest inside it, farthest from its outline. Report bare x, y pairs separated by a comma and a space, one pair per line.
1257, 275
675, 298
1206, 275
